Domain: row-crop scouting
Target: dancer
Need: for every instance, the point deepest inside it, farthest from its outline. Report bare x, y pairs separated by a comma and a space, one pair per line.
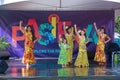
82, 58
102, 40
68, 31
30, 39
63, 52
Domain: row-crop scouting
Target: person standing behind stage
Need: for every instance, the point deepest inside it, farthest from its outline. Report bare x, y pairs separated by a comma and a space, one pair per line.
63, 52
30, 39
68, 31
100, 54
82, 58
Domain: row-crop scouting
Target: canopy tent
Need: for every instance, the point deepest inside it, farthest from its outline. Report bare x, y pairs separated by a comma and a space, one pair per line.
59, 4
80, 12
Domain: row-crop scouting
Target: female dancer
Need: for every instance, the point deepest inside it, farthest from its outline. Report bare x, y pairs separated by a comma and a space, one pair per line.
30, 39
69, 36
82, 58
100, 54
63, 52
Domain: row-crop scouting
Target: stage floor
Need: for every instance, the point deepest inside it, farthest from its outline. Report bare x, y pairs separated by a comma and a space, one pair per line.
50, 68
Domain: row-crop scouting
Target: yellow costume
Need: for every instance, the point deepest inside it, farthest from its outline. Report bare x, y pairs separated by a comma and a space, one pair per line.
100, 54
82, 58
28, 56
69, 50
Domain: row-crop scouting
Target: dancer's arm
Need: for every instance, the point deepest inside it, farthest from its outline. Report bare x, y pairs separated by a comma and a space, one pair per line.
108, 39
36, 40
20, 24
96, 28
73, 37
76, 31
87, 40
60, 42
64, 27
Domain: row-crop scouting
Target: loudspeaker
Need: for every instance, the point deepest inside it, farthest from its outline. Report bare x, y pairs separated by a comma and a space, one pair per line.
3, 66
110, 49
116, 59
4, 55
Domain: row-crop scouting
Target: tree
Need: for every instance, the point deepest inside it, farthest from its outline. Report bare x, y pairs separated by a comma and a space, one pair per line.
3, 43
117, 25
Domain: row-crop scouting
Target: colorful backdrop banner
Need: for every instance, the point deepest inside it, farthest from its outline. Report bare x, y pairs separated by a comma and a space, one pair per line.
48, 26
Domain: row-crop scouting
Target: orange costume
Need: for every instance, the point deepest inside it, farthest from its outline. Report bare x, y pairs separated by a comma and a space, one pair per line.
28, 56
100, 54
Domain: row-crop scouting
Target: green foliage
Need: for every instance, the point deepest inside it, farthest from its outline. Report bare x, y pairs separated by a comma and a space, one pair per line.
3, 43
117, 25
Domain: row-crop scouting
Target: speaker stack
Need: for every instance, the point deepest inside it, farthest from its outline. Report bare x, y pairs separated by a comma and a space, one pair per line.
4, 56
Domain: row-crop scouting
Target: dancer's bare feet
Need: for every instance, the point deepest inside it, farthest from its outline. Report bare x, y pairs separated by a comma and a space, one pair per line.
102, 63
64, 66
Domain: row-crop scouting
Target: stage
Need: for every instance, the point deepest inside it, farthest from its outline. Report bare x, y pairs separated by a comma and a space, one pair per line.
48, 69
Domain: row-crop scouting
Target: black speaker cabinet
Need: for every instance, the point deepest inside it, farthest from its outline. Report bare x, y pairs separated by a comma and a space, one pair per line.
3, 66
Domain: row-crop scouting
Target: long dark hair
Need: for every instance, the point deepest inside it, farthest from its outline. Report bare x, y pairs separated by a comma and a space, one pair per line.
32, 31
68, 29
84, 32
102, 27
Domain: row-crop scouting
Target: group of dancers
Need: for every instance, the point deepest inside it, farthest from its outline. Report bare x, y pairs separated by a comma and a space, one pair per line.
66, 46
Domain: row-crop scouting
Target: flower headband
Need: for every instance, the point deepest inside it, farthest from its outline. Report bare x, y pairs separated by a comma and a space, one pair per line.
79, 31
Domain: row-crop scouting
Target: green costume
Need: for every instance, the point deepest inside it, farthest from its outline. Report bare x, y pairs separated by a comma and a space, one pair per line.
63, 53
